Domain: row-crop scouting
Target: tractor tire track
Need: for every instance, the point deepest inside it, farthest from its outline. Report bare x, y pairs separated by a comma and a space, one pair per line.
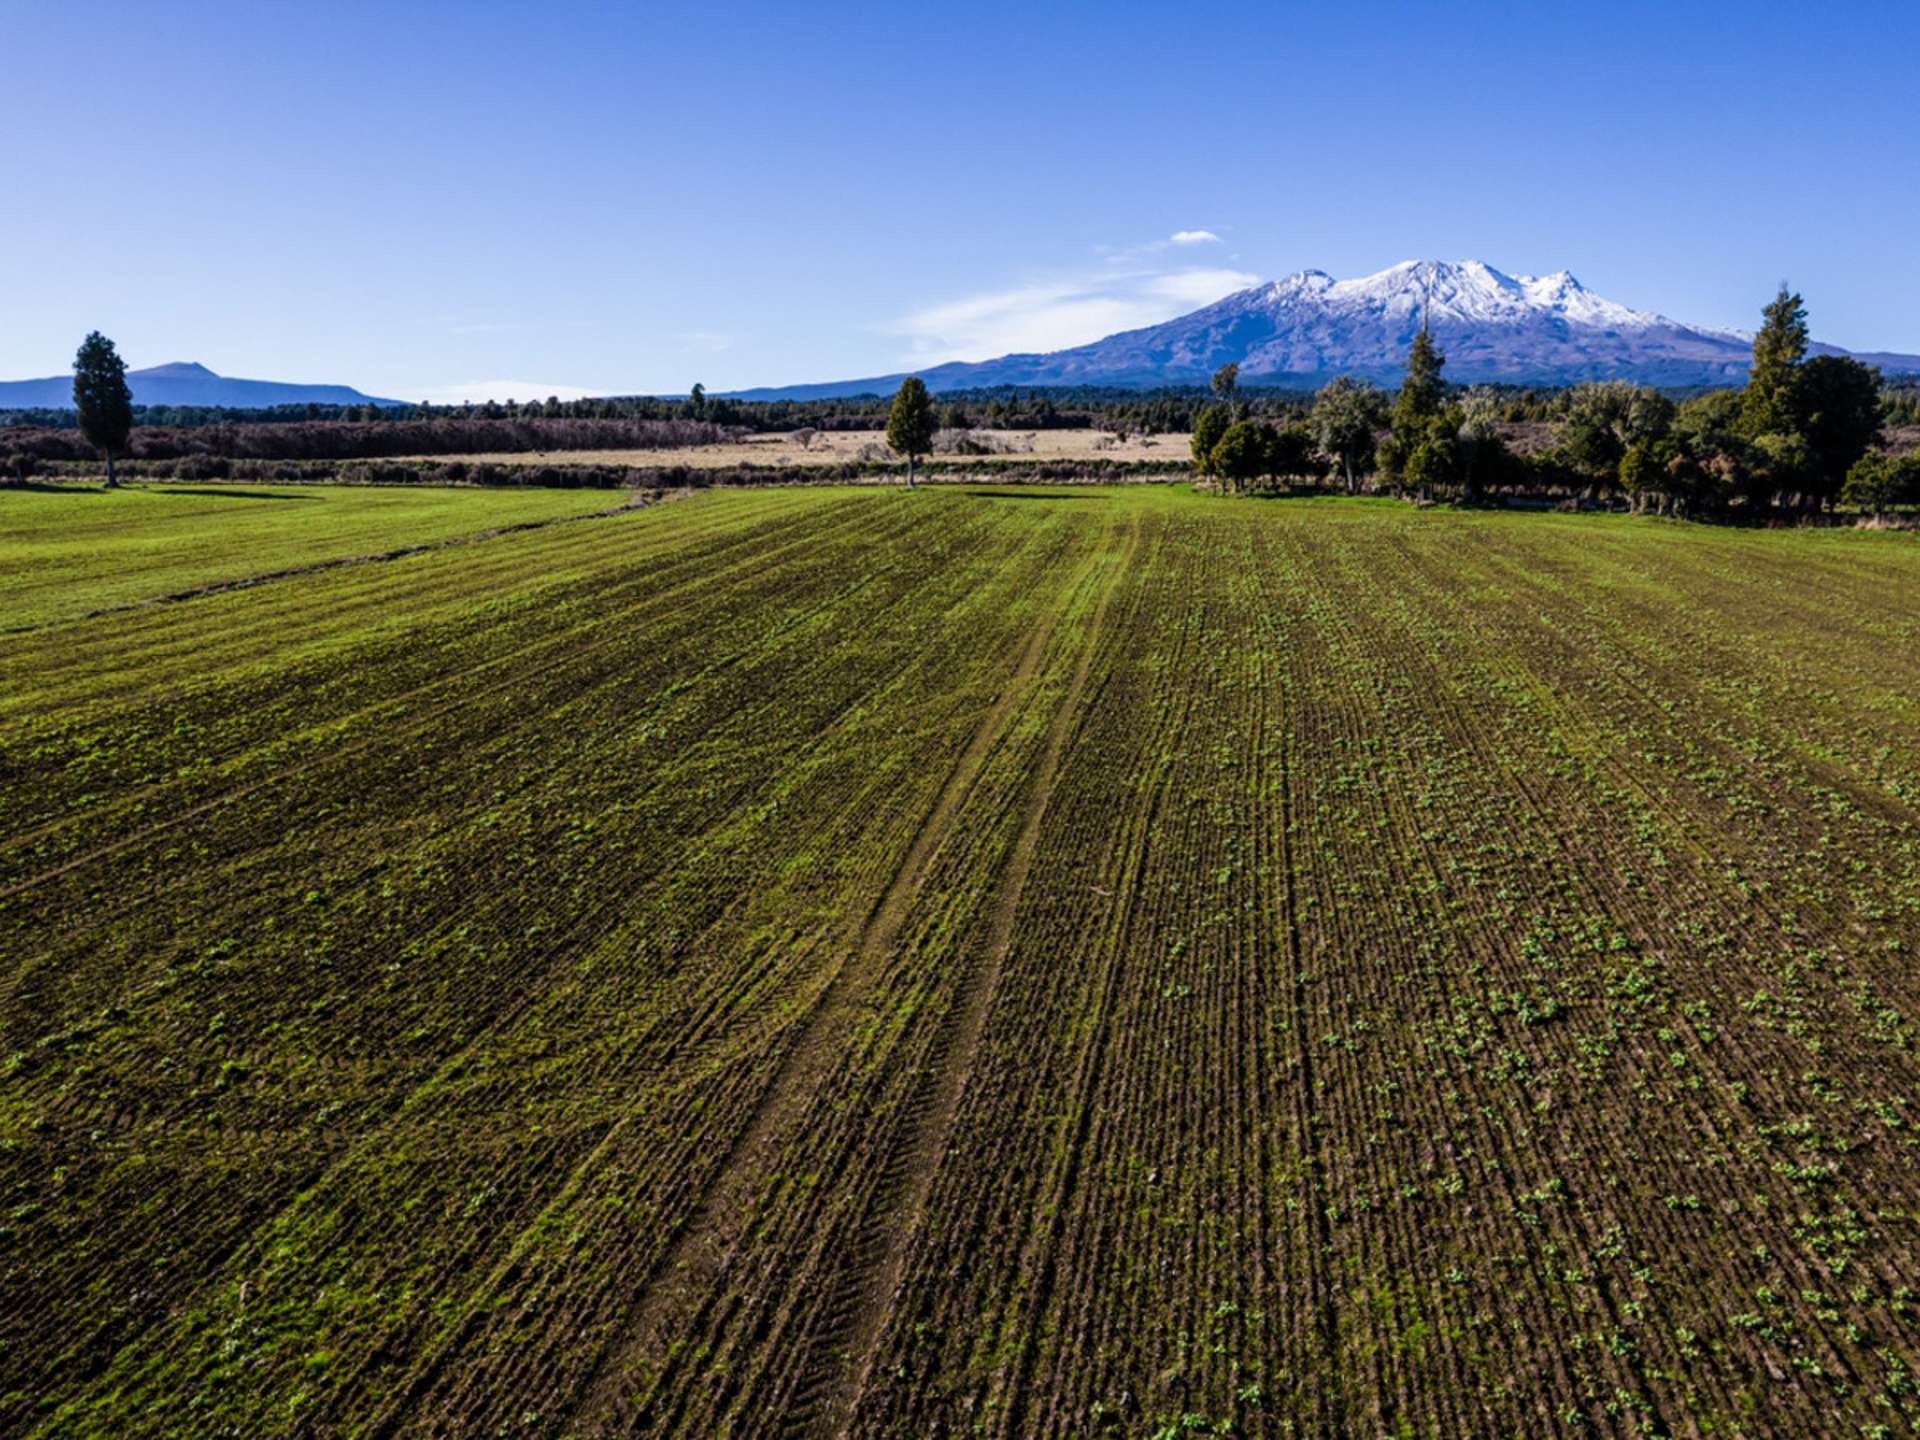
704, 1243
880, 1258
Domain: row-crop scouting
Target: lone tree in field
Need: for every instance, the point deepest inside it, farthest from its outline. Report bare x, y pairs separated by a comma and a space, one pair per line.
101, 396
910, 422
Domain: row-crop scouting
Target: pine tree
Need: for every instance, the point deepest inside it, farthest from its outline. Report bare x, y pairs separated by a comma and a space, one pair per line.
1771, 404
1422, 395
910, 422
101, 396
1423, 391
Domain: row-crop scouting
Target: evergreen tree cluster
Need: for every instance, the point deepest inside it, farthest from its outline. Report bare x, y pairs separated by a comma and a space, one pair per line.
1247, 455
1900, 401
1800, 435
1791, 438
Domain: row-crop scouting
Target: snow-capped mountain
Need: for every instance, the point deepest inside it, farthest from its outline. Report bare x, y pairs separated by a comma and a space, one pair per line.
1309, 327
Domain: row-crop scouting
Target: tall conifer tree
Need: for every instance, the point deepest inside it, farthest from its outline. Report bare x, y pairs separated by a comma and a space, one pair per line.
910, 422
1423, 391
101, 396
1771, 405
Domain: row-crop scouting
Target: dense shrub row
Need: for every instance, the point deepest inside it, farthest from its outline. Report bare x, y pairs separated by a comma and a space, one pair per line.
203, 468
360, 440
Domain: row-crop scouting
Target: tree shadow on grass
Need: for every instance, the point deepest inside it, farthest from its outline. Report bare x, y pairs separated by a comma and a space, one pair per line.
41, 487
224, 494
1024, 495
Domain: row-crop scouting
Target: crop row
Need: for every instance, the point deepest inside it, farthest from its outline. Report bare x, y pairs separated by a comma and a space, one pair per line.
812, 963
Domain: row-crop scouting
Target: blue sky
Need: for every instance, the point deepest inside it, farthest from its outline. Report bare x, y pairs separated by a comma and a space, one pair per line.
438, 201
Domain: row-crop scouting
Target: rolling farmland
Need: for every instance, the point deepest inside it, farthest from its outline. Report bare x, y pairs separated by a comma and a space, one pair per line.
1000, 963
72, 551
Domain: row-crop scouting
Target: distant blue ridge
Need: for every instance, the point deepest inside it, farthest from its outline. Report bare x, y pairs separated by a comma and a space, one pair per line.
186, 383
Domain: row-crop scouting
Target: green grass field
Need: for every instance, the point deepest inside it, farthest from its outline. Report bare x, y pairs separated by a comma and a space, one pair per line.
1004, 963
74, 549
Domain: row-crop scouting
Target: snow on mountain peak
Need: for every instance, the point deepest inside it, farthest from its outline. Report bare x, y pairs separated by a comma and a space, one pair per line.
1452, 292
1489, 322
1306, 328
1306, 282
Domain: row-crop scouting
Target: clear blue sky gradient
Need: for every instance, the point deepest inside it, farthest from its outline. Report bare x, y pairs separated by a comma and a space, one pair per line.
627, 198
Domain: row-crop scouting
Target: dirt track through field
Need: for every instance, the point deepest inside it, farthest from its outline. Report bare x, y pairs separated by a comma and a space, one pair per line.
705, 1243
877, 1266
1124, 865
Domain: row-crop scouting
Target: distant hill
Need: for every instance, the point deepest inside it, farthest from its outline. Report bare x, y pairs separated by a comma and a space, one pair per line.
1307, 328
185, 383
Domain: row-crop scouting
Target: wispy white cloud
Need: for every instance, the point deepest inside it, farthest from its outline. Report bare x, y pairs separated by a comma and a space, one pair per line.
1058, 314
1201, 287
478, 392
1193, 237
